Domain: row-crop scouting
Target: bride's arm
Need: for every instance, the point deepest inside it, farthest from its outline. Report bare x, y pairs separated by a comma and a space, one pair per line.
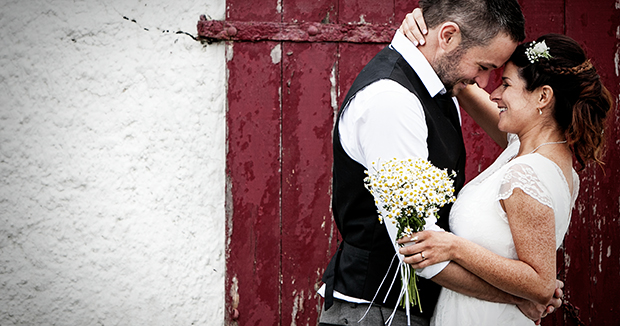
533, 230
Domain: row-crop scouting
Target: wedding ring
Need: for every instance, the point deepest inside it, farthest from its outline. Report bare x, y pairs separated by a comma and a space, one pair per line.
422, 254
414, 239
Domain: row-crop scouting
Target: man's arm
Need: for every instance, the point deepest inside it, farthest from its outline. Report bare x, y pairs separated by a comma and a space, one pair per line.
458, 279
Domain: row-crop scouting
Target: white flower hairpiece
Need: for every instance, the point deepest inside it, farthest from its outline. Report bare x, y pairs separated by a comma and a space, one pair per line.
536, 51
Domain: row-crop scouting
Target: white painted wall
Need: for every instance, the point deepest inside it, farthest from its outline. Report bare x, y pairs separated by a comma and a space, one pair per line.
112, 154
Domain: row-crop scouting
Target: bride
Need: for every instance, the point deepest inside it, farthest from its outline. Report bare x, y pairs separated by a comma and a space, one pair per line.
508, 222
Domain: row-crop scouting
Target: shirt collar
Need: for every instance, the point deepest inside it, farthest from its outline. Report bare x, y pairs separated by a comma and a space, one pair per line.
418, 62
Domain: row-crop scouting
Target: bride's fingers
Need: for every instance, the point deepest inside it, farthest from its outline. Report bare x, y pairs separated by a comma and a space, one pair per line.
415, 260
419, 19
411, 30
409, 238
409, 250
420, 260
414, 27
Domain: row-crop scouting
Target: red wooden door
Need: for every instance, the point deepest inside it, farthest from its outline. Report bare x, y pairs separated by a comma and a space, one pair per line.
290, 64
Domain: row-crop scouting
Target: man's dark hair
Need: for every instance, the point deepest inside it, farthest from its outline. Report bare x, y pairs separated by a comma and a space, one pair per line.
479, 20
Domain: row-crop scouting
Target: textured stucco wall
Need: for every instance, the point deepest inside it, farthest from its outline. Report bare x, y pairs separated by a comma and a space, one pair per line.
112, 153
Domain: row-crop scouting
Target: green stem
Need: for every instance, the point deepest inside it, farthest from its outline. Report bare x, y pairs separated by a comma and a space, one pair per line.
412, 286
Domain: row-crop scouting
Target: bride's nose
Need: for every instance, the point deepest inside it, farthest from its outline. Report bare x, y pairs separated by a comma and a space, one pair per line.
495, 96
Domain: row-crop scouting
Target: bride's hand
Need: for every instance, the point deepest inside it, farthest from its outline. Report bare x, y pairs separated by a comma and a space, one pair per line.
414, 27
429, 248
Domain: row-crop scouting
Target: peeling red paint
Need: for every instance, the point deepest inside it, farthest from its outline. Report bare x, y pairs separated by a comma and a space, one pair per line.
253, 162
307, 119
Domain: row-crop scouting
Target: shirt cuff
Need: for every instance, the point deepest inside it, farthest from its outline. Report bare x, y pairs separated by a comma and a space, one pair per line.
432, 270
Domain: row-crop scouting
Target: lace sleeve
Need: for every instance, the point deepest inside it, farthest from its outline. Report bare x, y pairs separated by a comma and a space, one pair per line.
522, 176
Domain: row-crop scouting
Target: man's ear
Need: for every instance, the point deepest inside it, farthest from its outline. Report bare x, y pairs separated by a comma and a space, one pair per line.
449, 36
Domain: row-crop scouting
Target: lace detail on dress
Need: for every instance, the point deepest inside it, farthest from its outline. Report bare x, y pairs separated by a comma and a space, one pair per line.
522, 176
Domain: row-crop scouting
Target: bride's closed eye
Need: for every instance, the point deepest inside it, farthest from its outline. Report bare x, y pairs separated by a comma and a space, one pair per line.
505, 82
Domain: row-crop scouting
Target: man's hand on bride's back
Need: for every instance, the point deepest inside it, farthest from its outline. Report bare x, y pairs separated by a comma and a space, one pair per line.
532, 310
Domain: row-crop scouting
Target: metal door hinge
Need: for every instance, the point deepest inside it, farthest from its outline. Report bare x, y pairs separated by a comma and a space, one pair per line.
241, 31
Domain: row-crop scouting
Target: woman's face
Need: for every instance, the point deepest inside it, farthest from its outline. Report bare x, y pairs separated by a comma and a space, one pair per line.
517, 105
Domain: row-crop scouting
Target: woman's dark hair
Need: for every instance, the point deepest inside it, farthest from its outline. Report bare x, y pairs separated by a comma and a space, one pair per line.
582, 103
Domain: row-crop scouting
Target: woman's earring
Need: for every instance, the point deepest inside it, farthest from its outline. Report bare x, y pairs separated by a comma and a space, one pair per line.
539, 111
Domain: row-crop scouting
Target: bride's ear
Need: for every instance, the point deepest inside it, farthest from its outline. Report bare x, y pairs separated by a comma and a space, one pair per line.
545, 96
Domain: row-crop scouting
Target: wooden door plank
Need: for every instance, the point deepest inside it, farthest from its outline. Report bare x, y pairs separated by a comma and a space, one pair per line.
253, 168
307, 228
256, 10
366, 11
323, 11
253, 194
542, 17
307, 119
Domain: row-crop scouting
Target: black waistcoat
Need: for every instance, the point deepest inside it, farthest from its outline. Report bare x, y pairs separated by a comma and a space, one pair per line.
366, 252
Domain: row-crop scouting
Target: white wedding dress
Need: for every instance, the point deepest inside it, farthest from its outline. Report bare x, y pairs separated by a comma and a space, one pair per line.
478, 216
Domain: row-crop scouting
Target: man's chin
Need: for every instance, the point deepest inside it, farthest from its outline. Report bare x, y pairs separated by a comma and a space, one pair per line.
454, 91
458, 88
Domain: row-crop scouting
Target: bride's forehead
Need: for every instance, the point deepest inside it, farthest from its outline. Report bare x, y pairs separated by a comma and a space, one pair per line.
510, 70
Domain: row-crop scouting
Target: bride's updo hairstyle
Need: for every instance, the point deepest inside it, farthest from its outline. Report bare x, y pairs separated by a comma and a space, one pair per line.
581, 101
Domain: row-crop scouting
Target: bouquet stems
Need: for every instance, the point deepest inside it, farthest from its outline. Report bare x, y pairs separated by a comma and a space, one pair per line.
409, 279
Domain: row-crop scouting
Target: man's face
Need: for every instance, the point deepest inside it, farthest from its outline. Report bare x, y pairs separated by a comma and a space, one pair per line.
459, 68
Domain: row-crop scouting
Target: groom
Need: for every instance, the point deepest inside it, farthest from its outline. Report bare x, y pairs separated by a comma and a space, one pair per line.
401, 105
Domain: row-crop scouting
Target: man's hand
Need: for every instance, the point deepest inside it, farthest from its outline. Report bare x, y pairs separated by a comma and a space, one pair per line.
536, 311
532, 310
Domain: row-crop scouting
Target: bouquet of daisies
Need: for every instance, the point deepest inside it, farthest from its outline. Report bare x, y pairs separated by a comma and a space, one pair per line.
409, 191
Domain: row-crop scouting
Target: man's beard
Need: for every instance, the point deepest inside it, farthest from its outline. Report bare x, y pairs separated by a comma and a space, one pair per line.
447, 68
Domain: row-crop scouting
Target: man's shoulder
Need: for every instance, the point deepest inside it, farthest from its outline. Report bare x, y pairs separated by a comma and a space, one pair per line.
385, 85
387, 92
385, 97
